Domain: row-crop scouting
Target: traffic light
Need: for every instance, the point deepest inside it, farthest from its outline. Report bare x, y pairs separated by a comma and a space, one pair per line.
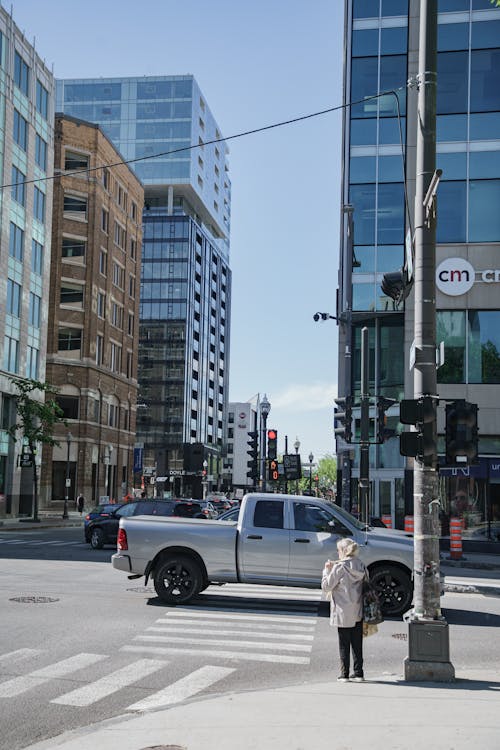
461, 433
272, 444
383, 432
343, 418
421, 413
273, 470
253, 452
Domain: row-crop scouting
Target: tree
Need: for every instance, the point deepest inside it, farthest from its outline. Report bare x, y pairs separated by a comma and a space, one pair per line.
36, 421
327, 472
496, 3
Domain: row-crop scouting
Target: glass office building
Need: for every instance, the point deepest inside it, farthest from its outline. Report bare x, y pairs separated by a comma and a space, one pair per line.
378, 157
164, 127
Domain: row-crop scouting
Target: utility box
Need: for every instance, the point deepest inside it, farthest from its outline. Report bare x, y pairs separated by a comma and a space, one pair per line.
428, 641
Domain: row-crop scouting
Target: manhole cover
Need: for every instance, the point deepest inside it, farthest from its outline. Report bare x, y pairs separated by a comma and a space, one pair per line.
34, 599
145, 590
164, 747
400, 636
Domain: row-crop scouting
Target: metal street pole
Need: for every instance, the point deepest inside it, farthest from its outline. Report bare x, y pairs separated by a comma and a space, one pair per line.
428, 657
296, 445
265, 408
345, 456
66, 489
311, 459
364, 447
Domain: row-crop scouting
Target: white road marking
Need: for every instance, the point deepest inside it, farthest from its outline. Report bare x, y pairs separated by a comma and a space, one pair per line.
183, 688
218, 631
19, 685
20, 653
216, 614
111, 683
208, 640
253, 625
235, 655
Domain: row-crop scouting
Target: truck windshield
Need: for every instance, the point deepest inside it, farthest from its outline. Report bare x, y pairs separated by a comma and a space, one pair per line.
350, 519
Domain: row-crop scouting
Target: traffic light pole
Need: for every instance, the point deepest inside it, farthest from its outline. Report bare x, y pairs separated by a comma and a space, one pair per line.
428, 657
364, 448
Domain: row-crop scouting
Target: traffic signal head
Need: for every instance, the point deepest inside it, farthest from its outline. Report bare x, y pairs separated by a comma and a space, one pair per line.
273, 470
396, 285
343, 418
421, 413
383, 432
253, 452
272, 444
461, 433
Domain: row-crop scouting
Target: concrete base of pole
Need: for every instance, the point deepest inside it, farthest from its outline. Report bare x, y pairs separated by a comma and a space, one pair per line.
429, 652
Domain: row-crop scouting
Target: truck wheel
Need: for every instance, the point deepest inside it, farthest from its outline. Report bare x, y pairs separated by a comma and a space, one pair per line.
394, 588
177, 580
97, 539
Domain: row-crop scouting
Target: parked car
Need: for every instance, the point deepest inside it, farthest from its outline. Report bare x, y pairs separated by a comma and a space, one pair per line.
101, 523
188, 509
208, 509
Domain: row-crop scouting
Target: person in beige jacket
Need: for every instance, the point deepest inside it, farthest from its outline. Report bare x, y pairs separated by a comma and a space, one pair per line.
343, 583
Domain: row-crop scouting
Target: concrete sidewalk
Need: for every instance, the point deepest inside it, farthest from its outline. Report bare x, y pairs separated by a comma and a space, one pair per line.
384, 713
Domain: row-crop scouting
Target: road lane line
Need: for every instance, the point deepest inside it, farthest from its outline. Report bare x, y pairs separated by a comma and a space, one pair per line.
217, 614
234, 655
254, 625
218, 631
22, 684
208, 640
20, 653
184, 688
111, 683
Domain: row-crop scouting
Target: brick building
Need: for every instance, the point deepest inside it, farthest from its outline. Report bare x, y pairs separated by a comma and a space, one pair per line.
93, 316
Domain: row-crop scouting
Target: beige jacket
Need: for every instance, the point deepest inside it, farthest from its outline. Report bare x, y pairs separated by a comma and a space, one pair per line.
344, 582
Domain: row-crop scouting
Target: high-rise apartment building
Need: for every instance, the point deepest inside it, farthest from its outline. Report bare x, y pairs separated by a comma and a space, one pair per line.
93, 328
165, 125
378, 156
26, 153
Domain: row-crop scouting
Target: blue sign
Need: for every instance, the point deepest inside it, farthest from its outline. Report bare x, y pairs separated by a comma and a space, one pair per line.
138, 460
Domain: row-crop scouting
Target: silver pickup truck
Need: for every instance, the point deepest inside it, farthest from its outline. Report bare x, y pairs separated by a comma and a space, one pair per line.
277, 540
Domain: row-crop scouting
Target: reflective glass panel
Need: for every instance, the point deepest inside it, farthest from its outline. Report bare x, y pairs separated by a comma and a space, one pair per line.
362, 198
365, 8
362, 169
363, 296
485, 80
390, 168
364, 83
447, 6
484, 346
364, 256
451, 128
484, 214
452, 80
154, 90
389, 258
364, 42
485, 34
484, 164
392, 76
389, 131
363, 132
394, 7
450, 328
390, 214
453, 36
385, 304
481, 5
76, 92
451, 212
393, 41
485, 126
454, 166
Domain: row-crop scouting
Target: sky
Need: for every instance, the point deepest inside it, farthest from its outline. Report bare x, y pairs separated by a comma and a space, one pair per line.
257, 63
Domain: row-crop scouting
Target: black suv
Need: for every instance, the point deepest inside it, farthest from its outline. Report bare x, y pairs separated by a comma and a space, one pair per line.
101, 523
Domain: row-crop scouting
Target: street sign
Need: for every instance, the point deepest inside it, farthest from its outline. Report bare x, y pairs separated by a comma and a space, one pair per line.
292, 466
68, 482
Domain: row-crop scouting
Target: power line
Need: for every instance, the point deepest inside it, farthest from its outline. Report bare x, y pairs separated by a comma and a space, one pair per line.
245, 133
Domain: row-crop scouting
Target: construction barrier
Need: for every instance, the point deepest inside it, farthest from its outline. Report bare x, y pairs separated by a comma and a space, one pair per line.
409, 524
456, 538
387, 521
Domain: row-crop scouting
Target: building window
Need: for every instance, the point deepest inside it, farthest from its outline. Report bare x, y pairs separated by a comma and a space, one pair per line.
13, 298
18, 189
121, 196
42, 100
10, 354
39, 205
472, 346
73, 161
71, 294
70, 406
118, 276
133, 250
75, 208
36, 257
99, 349
130, 327
73, 248
116, 315
131, 286
41, 152
119, 235
21, 74
115, 362
105, 178
16, 242
133, 211
103, 262
20, 133
112, 415
69, 339
34, 310
105, 220
32, 358
101, 305
130, 360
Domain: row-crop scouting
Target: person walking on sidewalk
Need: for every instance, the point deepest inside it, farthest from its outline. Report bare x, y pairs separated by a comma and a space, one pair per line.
343, 583
80, 502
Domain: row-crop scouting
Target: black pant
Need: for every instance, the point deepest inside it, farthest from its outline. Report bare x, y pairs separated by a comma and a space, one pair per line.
351, 638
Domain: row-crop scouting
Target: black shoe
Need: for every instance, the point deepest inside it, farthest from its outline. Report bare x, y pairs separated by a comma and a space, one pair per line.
357, 678
342, 678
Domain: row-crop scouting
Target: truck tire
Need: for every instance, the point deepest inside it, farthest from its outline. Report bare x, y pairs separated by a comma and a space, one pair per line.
394, 587
177, 580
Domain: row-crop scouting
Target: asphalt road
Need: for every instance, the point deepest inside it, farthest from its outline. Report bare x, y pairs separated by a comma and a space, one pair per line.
81, 643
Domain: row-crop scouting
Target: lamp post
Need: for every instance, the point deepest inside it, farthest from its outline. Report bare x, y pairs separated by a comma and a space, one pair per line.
296, 445
205, 480
265, 408
69, 438
311, 459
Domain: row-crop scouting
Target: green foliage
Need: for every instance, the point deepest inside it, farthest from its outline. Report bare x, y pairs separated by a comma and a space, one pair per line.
36, 419
496, 3
327, 471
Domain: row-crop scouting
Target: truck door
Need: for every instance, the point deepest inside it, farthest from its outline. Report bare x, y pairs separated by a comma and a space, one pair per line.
264, 542
313, 540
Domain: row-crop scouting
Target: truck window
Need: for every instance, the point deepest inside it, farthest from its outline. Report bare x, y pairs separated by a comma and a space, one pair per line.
268, 514
311, 518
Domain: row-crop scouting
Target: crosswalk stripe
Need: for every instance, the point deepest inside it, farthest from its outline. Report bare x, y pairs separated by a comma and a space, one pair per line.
218, 631
214, 613
234, 655
111, 683
208, 640
20, 653
19, 685
236, 624
183, 688
264, 591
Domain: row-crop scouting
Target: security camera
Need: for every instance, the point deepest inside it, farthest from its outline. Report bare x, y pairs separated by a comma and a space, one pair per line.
316, 317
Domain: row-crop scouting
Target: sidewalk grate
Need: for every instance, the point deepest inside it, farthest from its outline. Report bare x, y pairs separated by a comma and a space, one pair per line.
400, 636
33, 599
